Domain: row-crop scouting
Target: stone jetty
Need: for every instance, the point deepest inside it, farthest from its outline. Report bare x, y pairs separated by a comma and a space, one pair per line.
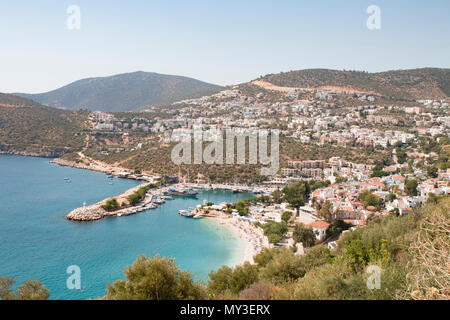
90, 213
96, 211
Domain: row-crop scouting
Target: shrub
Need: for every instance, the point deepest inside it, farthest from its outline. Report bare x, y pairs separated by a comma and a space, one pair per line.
111, 205
155, 278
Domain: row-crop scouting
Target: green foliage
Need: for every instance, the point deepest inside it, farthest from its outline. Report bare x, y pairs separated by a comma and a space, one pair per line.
230, 280
243, 276
286, 216
392, 197
219, 281
304, 234
369, 199
319, 184
41, 130
296, 194
277, 196
241, 207
378, 171
340, 179
411, 187
264, 257
432, 171
137, 196
326, 211
401, 156
285, 267
28, 290
155, 278
337, 228
275, 230
111, 205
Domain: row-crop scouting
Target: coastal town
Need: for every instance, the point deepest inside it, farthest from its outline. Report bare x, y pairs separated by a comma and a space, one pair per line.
228, 154
413, 167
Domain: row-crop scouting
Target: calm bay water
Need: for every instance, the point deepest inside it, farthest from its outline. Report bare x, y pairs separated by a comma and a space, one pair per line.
36, 241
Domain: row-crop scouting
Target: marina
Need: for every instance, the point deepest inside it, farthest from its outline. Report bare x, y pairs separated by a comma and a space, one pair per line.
102, 249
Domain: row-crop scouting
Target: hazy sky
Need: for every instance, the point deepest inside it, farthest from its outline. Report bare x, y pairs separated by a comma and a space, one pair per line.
222, 42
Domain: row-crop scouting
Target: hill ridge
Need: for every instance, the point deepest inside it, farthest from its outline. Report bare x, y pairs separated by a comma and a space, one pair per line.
122, 92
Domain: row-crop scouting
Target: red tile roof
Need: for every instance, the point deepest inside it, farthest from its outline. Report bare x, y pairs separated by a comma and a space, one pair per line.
319, 224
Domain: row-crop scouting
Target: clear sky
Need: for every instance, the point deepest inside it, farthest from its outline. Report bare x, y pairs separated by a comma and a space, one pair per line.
223, 42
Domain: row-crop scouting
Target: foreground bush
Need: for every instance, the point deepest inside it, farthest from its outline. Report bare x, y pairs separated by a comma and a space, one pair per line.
155, 278
29, 290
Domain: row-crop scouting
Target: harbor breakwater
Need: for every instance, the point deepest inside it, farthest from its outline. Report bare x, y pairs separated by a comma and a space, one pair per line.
96, 211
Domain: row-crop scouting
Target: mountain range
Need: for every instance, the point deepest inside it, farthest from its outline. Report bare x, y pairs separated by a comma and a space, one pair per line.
122, 92
132, 91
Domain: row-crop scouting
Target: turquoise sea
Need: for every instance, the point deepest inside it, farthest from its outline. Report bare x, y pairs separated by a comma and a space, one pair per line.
37, 242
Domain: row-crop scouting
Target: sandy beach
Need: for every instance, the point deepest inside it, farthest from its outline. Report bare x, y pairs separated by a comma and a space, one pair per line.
253, 239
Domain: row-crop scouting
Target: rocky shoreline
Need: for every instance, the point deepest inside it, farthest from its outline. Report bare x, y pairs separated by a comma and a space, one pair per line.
80, 165
30, 154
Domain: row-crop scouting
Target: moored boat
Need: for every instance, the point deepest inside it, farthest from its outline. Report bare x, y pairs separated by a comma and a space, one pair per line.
183, 193
185, 213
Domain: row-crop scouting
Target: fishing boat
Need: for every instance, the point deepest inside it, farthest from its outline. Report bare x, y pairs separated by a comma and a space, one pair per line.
183, 193
67, 179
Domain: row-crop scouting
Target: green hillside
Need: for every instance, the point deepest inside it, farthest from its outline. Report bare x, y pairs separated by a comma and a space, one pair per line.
123, 92
9, 100
39, 130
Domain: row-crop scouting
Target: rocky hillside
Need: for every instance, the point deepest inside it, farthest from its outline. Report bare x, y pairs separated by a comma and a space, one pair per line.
428, 83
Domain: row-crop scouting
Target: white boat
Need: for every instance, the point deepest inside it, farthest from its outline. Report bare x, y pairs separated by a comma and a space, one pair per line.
198, 216
150, 206
185, 213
